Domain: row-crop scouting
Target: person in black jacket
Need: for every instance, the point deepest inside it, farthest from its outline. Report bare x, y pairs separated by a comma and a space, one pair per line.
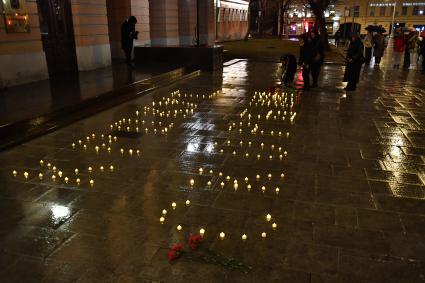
128, 34
355, 60
289, 68
305, 59
318, 56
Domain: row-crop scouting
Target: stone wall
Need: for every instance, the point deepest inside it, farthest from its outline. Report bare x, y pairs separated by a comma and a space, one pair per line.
91, 34
22, 58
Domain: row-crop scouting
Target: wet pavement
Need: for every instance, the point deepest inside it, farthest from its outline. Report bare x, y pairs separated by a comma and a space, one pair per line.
340, 175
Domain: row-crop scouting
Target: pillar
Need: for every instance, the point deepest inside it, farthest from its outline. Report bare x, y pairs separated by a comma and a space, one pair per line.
164, 22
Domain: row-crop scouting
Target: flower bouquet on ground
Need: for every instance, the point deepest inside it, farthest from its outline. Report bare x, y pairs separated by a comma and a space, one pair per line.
207, 256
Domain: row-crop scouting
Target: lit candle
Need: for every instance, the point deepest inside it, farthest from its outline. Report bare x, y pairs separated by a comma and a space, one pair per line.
235, 186
209, 183
268, 217
263, 189
40, 176
41, 162
78, 181
228, 178
192, 182
201, 170
187, 202
53, 178
274, 226
244, 237
246, 179
277, 190
282, 175
263, 235
270, 176
248, 187
222, 184
202, 232
76, 171
26, 175
60, 174
54, 168
66, 180
14, 173
111, 168
90, 169
162, 219
91, 182
222, 235
101, 168
173, 205
179, 228
164, 212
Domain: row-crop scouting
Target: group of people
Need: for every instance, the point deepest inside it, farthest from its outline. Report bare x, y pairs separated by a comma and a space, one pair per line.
411, 48
360, 51
311, 58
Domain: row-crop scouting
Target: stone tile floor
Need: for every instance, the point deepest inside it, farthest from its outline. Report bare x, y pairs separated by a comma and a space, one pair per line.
350, 205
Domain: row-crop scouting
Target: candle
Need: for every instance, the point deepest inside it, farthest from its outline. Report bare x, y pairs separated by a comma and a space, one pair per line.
41, 162
248, 187
173, 205
246, 179
14, 173
202, 232
187, 202
222, 184
257, 177
91, 182
277, 190
101, 168
228, 178
54, 168
90, 169
235, 186
49, 165
66, 180
60, 174
274, 226
192, 182
179, 228
269, 176
201, 170
111, 168
282, 175
268, 217
53, 178
162, 219
164, 212
40, 176
222, 235
26, 175
263, 235
263, 188
122, 151
130, 151
78, 181
76, 171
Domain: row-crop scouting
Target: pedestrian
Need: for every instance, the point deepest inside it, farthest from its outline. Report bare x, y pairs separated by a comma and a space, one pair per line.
337, 38
378, 47
422, 52
289, 68
406, 61
398, 48
413, 46
355, 60
318, 56
368, 44
128, 35
305, 59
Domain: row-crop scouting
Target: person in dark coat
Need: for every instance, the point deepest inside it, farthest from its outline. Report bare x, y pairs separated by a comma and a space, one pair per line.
422, 52
289, 68
318, 56
355, 60
378, 47
305, 59
128, 35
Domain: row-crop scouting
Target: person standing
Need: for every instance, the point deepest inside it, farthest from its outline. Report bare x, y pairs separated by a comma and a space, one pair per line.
355, 60
305, 59
378, 47
398, 48
128, 35
337, 38
406, 61
318, 56
368, 46
413, 46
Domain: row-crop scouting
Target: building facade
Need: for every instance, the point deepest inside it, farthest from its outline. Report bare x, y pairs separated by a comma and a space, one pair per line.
61, 36
371, 12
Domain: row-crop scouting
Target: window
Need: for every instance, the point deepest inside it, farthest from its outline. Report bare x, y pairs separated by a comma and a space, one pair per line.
404, 11
382, 11
415, 10
372, 11
356, 11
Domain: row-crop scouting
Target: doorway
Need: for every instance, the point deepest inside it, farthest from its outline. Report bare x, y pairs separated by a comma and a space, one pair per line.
57, 35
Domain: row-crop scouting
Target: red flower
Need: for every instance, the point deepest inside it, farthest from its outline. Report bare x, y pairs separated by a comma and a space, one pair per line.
195, 241
175, 252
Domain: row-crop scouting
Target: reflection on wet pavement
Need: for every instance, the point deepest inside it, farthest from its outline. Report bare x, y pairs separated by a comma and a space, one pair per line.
325, 186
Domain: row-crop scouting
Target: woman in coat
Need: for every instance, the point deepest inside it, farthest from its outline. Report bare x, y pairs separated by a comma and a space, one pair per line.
398, 48
305, 59
413, 46
378, 47
355, 60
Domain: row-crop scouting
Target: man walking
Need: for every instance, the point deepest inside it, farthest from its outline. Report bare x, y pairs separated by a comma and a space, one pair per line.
128, 34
